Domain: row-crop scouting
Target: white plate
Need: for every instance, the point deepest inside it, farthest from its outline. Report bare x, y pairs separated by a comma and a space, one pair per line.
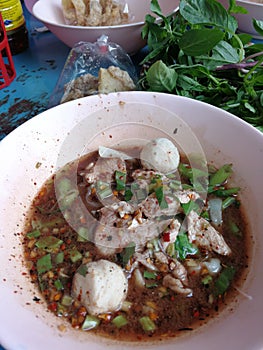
68, 130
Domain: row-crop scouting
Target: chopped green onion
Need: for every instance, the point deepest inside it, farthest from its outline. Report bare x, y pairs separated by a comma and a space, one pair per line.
147, 324
234, 229
120, 321
63, 186
151, 284
83, 234
160, 197
120, 178
67, 201
221, 175
103, 189
57, 221
126, 306
207, 280
58, 284
127, 253
223, 281
61, 309
149, 275
33, 234
59, 258
75, 255
128, 195
175, 185
228, 201
170, 250
82, 270
49, 243
44, 264
66, 300
90, 323
226, 192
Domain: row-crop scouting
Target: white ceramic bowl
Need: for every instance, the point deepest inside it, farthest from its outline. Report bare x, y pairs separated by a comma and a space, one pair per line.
31, 153
245, 25
128, 35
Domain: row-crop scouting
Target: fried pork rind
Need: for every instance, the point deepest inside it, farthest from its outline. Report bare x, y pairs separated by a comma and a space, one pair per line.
82, 86
95, 12
112, 79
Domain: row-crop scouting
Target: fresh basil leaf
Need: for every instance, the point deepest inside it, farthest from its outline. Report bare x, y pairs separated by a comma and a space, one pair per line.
155, 8
184, 247
222, 53
207, 12
196, 42
188, 83
234, 8
258, 25
161, 78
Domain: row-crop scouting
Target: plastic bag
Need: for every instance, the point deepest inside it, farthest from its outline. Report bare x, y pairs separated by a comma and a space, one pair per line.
95, 12
92, 68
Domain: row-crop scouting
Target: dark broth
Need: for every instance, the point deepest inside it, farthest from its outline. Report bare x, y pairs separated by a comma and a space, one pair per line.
171, 312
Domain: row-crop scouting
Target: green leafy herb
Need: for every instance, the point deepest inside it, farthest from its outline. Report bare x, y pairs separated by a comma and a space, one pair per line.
58, 284
198, 53
33, 234
149, 274
160, 197
184, 247
90, 322
221, 175
103, 189
49, 243
82, 270
120, 321
120, 178
127, 253
223, 281
191, 205
59, 258
147, 324
44, 264
75, 255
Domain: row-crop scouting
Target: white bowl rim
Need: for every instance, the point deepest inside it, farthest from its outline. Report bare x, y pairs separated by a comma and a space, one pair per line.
252, 3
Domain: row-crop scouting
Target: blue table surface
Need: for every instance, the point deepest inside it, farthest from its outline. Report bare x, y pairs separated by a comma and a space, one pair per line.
37, 71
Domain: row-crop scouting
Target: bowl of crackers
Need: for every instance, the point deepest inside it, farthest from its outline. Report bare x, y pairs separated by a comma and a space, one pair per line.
121, 20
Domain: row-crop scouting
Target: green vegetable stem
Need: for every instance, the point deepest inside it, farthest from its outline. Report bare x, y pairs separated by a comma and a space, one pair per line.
198, 53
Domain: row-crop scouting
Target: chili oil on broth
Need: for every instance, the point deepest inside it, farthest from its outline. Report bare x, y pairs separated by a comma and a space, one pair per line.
171, 313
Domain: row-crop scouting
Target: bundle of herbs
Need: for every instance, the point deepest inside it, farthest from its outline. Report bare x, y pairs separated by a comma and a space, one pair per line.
198, 53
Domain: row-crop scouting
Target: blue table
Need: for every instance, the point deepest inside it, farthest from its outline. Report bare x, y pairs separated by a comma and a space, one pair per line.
37, 71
